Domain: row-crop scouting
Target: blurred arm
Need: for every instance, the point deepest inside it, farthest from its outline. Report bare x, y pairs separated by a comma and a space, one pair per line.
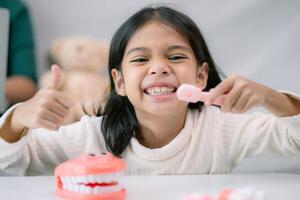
19, 88
21, 71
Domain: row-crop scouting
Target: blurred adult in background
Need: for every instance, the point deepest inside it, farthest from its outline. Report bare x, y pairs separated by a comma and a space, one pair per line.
21, 65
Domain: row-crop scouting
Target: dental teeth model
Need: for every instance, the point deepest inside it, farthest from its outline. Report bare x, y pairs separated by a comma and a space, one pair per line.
90, 177
191, 93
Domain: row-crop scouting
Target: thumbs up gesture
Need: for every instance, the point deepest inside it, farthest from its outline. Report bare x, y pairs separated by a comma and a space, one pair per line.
47, 109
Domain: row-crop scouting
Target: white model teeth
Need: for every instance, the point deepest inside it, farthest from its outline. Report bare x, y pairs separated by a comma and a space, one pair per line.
82, 189
79, 184
155, 91
99, 178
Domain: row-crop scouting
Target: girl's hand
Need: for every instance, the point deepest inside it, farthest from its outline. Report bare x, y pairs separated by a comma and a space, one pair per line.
47, 109
242, 94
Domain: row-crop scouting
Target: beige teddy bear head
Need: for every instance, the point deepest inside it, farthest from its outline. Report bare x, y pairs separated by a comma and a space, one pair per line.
80, 53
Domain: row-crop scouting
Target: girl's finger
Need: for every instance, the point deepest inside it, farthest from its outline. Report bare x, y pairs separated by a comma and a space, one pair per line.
240, 104
63, 99
52, 117
56, 107
219, 90
231, 99
56, 77
47, 124
250, 104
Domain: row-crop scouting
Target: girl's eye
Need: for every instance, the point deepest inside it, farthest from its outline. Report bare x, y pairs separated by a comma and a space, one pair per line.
176, 58
139, 60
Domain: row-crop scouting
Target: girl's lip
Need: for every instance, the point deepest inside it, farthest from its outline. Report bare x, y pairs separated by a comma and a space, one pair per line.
159, 84
162, 98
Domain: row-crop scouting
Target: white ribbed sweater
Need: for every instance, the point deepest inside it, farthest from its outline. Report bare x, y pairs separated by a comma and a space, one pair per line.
210, 142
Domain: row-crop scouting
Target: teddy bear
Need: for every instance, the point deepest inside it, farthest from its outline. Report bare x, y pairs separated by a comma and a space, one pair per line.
84, 68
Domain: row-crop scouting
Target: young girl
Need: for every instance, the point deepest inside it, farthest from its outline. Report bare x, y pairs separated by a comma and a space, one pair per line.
151, 55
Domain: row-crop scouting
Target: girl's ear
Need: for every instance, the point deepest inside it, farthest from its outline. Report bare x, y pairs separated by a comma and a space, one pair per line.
202, 76
119, 82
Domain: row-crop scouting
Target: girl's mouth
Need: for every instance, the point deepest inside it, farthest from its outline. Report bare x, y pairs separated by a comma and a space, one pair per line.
160, 90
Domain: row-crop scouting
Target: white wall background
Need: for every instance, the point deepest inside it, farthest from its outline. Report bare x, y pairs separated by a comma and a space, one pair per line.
259, 39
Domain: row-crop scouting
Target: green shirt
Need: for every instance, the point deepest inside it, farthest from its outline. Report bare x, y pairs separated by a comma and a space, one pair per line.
21, 55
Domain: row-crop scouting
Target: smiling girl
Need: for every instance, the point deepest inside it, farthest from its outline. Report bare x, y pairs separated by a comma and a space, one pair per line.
151, 55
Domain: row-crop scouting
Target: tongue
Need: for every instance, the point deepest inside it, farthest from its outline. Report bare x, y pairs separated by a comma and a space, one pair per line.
99, 184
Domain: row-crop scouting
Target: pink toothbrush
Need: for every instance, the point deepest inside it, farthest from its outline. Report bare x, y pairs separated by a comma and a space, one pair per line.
191, 93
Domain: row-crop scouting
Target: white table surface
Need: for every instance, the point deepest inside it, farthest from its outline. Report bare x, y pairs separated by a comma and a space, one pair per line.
276, 186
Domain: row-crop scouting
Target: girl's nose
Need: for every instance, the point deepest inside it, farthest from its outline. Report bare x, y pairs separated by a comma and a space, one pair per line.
159, 68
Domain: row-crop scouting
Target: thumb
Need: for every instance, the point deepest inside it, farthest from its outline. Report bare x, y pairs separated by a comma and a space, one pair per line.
56, 77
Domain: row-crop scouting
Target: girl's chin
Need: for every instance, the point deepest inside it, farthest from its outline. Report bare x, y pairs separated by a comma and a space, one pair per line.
165, 107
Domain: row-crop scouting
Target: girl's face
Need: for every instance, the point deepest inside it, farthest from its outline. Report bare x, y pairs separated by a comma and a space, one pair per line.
157, 60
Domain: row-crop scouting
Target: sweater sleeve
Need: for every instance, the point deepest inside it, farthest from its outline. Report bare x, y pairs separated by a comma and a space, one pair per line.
260, 135
41, 150
21, 56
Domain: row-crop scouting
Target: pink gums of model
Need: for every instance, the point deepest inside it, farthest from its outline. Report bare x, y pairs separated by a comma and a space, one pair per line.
191, 93
90, 177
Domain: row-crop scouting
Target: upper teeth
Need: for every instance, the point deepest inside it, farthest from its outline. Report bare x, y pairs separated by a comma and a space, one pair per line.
100, 178
160, 90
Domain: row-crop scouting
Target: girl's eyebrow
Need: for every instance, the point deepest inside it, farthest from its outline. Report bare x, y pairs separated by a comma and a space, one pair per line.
170, 48
137, 49
176, 47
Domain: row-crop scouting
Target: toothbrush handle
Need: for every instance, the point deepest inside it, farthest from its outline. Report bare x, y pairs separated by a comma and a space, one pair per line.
219, 101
